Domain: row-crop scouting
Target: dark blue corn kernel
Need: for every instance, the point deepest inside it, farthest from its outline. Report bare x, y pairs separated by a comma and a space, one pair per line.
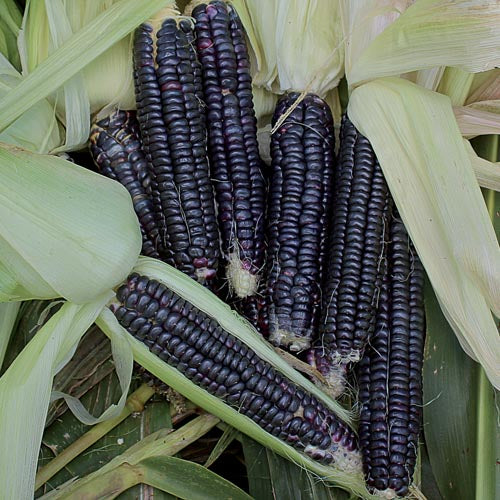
172, 123
232, 137
276, 405
357, 246
390, 373
116, 148
302, 151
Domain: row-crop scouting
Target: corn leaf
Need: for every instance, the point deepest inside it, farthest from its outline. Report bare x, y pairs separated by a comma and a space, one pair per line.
429, 33
25, 392
420, 149
64, 231
8, 315
10, 22
78, 51
451, 406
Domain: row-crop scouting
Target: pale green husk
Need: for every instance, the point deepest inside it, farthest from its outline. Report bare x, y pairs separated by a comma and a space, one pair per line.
104, 84
429, 33
296, 45
43, 138
64, 230
25, 393
8, 315
74, 54
420, 149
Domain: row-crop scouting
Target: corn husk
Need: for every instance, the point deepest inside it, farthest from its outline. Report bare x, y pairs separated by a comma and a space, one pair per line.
427, 34
296, 45
485, 86
10, 22
487, 172
25, 393
43, 138
420, 149
260, 17
480, 118
107, 81
456, 84
64, 230
74, 54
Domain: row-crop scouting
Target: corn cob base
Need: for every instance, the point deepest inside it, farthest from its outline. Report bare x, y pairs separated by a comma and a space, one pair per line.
197, 346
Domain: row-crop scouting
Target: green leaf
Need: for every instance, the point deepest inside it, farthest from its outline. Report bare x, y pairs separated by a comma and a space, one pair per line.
188, 480
8, 315
273, 477
457, 416
81, 49
229, 434
25, 393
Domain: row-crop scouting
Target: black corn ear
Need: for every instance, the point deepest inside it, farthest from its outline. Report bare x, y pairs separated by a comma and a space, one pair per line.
197, 346
171, 118
390, 373
302, 152
232, 133
115, 147
356, 255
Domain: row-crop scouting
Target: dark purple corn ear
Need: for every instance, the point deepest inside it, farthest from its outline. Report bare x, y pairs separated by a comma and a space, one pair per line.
198, 347
172, 122
115, 147
232, 134
390, 373
302, 152
356, 255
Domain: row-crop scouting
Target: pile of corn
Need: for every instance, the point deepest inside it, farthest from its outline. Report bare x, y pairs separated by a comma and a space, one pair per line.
311, 246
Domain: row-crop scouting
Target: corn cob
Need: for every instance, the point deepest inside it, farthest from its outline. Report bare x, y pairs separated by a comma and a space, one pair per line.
196, 345
361, 208
232, 132
300, 191
115, 147
390, 373
171, 118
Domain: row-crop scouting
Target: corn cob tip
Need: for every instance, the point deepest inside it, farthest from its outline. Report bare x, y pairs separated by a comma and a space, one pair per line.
334, 371
286, 338
242, 282
388, 493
